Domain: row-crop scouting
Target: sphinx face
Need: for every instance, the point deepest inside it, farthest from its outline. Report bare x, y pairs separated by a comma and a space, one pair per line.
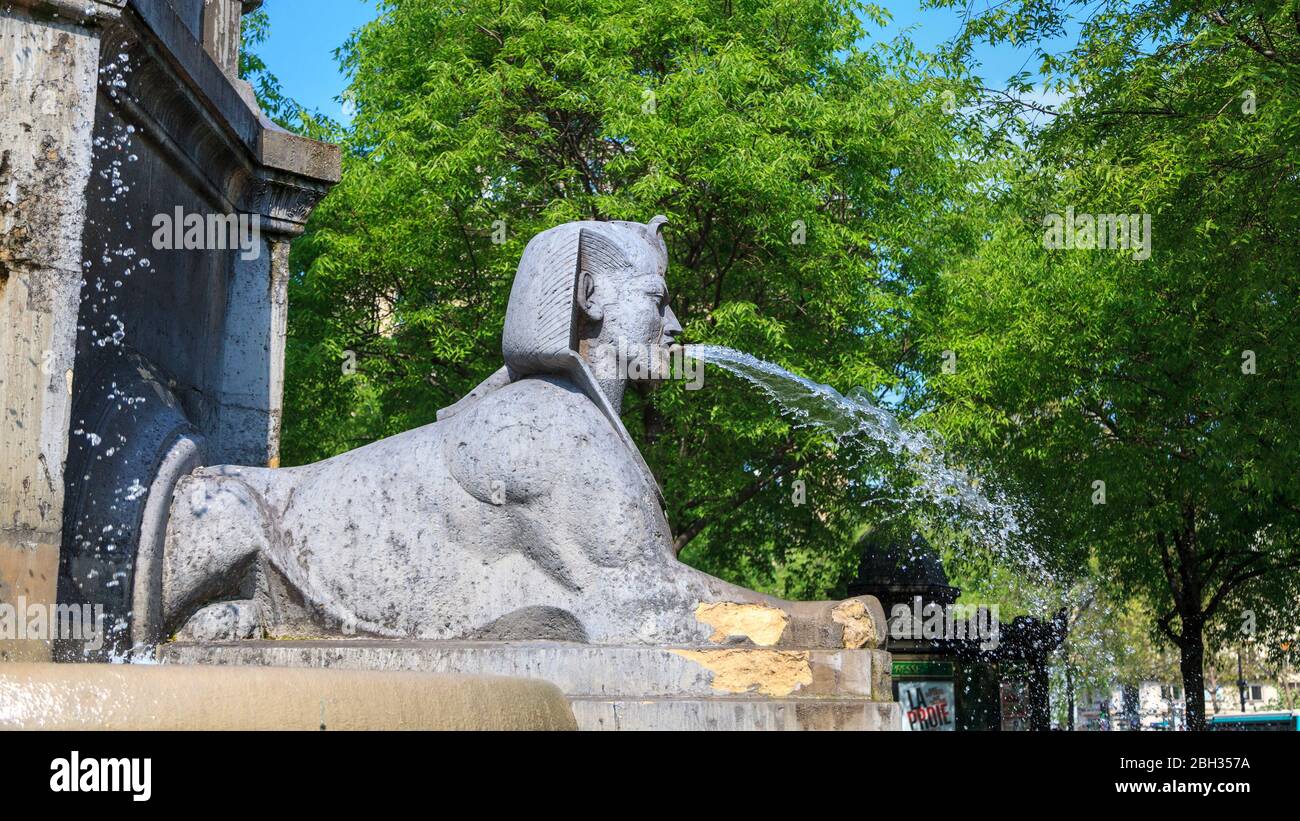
634, 326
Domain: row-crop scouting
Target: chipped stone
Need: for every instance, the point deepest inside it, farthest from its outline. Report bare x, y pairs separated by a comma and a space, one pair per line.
859, 628
769, 672
759, 623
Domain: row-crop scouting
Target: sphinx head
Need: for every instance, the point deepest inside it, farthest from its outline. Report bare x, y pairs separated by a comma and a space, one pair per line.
591, 297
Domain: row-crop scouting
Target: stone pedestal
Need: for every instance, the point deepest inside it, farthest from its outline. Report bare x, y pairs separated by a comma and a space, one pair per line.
624, 688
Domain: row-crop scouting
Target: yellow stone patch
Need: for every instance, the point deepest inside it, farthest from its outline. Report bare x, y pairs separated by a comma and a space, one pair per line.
770, 672
759, 623
859, 629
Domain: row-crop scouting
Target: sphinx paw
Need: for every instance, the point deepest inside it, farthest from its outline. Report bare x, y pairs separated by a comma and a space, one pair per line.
223, 621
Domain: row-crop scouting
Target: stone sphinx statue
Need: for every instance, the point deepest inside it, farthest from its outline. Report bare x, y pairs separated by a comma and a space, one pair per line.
525, 512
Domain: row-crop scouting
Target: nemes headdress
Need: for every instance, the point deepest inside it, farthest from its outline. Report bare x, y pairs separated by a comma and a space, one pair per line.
542, 317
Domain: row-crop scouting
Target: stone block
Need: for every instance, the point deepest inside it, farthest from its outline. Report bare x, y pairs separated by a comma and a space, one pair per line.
139, 697
622, 687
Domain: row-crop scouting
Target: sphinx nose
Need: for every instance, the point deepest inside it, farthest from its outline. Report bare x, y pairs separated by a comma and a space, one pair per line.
672, 328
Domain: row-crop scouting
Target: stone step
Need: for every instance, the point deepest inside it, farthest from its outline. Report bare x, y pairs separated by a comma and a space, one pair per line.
606, 674
135, 697
722, 713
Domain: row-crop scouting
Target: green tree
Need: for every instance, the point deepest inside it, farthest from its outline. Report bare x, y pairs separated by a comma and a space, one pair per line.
1171, 379
810, 186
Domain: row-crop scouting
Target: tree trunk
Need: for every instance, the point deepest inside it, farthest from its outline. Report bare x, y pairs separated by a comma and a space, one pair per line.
1040, 704
1284, 681
1069, 697
1192, 664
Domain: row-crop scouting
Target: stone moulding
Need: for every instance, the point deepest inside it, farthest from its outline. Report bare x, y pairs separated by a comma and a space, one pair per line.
79, 12
207, 123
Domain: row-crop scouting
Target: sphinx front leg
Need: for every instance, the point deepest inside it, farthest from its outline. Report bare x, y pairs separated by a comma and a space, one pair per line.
219, 527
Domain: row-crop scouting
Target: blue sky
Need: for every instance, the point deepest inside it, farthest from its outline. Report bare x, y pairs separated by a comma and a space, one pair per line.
305, 33
300, 50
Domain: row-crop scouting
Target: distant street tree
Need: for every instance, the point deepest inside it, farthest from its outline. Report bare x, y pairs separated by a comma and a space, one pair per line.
1147, 407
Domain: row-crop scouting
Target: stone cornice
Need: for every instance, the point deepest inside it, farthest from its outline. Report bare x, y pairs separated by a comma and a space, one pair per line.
179, 97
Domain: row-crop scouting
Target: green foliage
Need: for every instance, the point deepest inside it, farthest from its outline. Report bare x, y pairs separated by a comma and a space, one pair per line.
1079, 366
735, 119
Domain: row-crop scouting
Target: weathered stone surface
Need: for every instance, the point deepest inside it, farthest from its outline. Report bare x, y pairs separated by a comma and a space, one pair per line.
628, 687
174, 697
117, 112
759, 623
232, 619
116, 455
767, 672
47, 94
735, 714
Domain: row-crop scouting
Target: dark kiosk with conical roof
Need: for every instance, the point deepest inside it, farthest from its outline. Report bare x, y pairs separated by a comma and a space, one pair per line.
955, 667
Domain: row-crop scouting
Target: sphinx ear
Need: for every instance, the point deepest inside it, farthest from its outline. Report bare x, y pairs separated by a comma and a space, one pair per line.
586, 297
598, 253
